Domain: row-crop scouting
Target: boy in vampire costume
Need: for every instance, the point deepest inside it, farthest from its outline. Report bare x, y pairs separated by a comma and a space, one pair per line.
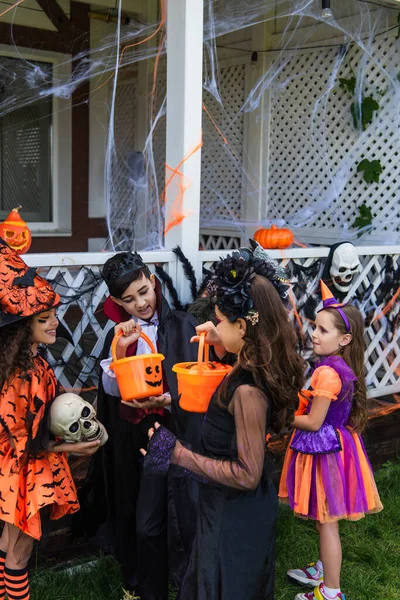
126, 509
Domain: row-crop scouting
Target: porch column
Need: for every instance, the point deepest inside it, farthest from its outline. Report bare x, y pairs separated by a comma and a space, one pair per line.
184, 116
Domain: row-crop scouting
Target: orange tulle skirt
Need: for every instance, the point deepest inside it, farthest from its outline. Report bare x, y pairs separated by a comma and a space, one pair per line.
333, 486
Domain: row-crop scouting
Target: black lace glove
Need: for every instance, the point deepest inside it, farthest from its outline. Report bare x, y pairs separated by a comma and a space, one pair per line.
159, 451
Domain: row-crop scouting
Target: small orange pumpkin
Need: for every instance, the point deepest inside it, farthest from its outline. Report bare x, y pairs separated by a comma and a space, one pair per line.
15, 232
274, 238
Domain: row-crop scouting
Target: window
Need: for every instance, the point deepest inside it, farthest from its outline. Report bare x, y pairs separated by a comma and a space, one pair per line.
26, 138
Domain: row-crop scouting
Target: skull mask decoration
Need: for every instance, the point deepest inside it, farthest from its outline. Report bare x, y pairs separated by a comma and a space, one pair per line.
74, 420
345, 264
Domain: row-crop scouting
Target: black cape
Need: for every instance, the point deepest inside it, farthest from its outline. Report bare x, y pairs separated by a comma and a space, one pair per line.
108, 497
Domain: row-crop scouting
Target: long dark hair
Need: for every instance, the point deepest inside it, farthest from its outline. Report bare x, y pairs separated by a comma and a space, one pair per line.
353, 354
269, 353
15, 349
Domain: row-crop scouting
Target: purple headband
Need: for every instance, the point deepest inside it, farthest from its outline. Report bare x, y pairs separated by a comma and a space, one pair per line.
333, 303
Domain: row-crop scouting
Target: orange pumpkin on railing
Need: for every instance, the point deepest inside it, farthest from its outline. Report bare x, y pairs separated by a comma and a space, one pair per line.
274, 238
15, 232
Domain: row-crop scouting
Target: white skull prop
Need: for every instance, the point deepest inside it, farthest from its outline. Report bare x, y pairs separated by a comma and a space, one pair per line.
74, 420
345, 264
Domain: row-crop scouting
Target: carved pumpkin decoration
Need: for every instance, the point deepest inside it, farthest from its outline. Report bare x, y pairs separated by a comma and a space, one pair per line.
274, 238
15, 232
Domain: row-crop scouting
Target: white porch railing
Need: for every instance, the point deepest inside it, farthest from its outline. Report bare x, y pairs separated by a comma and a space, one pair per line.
77, 277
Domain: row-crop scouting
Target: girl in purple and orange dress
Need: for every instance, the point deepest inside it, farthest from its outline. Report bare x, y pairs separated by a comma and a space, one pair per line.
326, 474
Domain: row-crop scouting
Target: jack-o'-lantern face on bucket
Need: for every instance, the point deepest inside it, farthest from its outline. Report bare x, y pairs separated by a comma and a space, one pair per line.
153, 376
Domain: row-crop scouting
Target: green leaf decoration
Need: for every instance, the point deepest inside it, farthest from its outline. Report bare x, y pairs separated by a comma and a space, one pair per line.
368, 106
349, 85
372, 170
364, 218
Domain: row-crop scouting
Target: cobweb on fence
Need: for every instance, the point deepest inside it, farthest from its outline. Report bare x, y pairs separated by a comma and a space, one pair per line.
319, 109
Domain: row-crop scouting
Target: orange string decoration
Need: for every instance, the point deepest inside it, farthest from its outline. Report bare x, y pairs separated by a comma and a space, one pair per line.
388, 306
296, 315
11, 7
128, 46
177, 215
176, 211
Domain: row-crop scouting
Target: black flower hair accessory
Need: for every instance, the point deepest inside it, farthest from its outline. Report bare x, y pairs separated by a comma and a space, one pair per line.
233, 276
121, 264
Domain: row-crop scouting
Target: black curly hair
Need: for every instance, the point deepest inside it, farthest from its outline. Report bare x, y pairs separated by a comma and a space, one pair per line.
15, 349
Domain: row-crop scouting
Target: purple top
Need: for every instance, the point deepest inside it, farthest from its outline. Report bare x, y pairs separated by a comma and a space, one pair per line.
326, 439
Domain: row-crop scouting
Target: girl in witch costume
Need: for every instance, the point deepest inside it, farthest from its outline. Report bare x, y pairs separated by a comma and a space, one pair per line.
34, 472
148, 525
326, 474
233, 554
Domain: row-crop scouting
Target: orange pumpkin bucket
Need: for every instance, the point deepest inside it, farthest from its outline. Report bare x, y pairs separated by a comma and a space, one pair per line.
138, 376
197, 381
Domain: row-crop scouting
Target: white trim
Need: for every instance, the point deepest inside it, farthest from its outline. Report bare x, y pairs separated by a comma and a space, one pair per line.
321, 252
384, 391
316, 235
243, 59
204, 256
61, 141
91, 258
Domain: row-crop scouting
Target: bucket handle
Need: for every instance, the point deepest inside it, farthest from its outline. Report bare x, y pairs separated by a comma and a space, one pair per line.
119, 334
203, 349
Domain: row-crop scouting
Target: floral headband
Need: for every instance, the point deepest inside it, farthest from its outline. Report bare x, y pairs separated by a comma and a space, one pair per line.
233, 276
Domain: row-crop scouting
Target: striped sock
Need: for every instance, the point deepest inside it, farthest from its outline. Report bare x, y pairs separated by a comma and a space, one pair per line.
17, 584
2, 583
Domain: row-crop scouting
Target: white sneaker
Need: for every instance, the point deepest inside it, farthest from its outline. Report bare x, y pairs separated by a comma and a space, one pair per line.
310, 575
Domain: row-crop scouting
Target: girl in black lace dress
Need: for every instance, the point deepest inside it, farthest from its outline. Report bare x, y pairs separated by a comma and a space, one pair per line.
233, 556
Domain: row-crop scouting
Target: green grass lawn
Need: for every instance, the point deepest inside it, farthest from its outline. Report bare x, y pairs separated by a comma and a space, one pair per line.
371, 557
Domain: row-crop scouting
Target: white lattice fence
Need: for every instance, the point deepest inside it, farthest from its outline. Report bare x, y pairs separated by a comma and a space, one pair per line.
218, 241
382, 334
315, 149
221, 161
